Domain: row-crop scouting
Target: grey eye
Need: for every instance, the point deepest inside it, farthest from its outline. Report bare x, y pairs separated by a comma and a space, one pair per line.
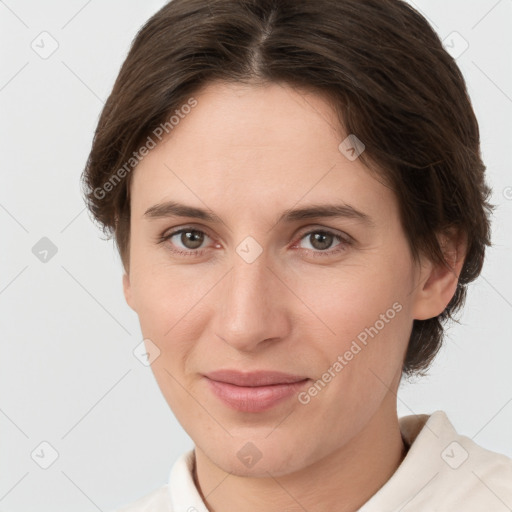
190, 238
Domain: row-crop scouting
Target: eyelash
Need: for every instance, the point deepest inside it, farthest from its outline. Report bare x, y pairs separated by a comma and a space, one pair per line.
345, 242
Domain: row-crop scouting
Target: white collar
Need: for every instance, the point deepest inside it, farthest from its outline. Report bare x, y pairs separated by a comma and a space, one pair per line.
422, 482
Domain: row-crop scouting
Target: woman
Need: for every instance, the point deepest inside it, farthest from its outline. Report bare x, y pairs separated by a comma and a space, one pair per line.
298, 198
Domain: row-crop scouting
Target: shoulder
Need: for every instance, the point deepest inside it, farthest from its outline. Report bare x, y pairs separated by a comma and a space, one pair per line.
444, 471
474, 475
459, 472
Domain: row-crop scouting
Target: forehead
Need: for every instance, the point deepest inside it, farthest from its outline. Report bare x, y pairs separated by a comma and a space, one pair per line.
246, 146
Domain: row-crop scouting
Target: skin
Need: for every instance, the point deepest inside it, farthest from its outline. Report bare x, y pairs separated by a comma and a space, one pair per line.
248, 153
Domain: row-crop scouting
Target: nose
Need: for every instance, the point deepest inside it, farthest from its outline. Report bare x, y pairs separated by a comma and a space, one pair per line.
252, 309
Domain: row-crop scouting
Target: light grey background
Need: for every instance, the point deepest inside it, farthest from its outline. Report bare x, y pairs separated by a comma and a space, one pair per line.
68, 375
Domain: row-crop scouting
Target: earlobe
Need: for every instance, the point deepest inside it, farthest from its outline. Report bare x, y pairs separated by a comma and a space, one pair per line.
438, 283
127, 290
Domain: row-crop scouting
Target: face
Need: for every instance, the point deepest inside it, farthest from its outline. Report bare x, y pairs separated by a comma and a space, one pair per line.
325, 296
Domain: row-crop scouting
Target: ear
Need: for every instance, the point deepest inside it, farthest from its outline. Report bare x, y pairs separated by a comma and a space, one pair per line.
127, 290
437, 283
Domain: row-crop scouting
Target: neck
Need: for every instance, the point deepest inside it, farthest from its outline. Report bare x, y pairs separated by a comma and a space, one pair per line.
342, 481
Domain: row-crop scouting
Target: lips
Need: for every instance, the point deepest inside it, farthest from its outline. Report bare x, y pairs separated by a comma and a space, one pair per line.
255, 391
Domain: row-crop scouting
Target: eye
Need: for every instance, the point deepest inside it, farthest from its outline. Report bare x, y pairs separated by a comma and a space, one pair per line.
320, 242
186, 241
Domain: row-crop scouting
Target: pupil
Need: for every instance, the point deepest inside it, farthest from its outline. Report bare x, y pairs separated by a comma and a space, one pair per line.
322, 240
192, 239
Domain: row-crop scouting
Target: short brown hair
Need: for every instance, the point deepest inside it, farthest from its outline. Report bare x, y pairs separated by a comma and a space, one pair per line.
381, 65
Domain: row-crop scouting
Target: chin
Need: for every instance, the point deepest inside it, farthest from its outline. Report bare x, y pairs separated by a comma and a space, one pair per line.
258, 459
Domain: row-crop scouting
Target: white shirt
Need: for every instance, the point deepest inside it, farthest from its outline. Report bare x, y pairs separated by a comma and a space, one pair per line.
442, 471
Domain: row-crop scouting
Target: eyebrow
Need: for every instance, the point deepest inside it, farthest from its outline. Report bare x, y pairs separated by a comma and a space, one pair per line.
175, 209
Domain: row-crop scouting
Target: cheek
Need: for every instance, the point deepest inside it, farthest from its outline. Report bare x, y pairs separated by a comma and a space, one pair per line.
357, 365
363, 316
166, 302
347, 302
173, 307
168, 305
